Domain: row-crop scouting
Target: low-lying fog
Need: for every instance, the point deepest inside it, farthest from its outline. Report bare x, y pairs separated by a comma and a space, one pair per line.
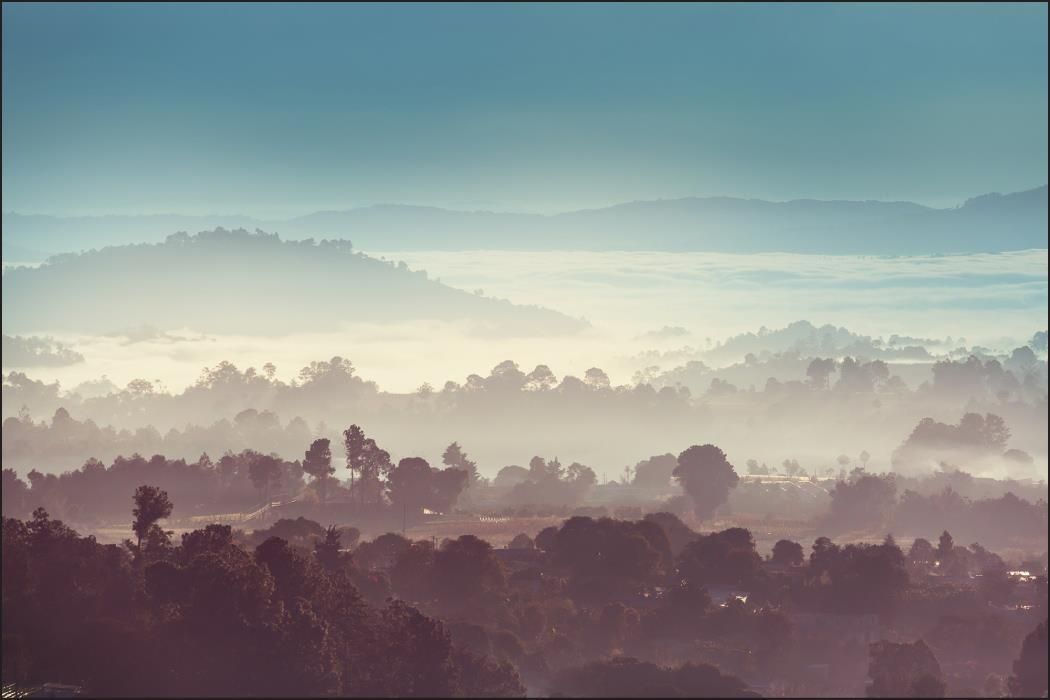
635, 302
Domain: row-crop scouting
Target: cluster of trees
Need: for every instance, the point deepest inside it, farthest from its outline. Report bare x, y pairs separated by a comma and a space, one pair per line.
326, 388
589, 608
867, 502
65, 439
547, 482
207, 618
1021, 375
96, 494
233, 409
974, 436
241, 482
1018, 376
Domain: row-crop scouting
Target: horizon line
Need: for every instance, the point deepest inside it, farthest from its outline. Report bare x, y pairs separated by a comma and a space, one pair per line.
514, 212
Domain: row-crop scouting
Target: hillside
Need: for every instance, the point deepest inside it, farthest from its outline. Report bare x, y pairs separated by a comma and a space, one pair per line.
989, 223
238, 282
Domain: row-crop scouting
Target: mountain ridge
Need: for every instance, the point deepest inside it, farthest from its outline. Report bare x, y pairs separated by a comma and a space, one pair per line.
991, 222
236, 282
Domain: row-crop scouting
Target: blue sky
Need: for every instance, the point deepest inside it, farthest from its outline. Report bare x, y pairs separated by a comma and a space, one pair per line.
277, 110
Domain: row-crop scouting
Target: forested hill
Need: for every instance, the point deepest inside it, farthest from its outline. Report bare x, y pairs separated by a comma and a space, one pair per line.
239, 282
989, 223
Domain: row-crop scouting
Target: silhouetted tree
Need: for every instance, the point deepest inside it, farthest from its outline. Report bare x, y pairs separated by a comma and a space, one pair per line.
1029, 678
318, 464
522, 541
328, 551
819, 371
904, 671
366, 460
455, 457
707, 476
151, 505
265, 472
788, 553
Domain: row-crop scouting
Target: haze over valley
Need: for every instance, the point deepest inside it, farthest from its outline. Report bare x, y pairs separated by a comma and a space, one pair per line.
525, 350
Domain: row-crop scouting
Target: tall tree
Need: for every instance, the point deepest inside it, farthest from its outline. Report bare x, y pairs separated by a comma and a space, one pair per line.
366, 459
318, 464
265, 472
411, 485
151, 505
455, 457
1030, 678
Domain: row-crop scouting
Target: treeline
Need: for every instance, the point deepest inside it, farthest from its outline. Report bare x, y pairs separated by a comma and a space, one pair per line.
369, 486
242, 482
331, 387
979, 377
588, 608
875, 502
208, 618
324, 388
43, 445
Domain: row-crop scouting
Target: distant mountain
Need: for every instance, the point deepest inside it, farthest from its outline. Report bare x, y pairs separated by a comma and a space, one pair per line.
989, 223
238, 282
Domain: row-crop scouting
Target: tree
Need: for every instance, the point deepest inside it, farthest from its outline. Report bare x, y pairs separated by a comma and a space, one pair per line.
945, 546
448, 484
522, 541
540, 379
151, 505
365, 459
678, 533
596, 378
455, 457
655, 472
411, 485
819, 370
755, 469
726, 557
707, 476
327, 550
466, 572
922, 552
864, 501
1029, 678
904, 671
788, 553
318, 464
265, 472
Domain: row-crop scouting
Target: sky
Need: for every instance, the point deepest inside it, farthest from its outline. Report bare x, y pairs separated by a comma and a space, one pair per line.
277, 110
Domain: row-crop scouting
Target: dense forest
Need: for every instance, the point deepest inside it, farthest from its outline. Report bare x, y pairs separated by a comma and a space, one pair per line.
589, 607
782, 405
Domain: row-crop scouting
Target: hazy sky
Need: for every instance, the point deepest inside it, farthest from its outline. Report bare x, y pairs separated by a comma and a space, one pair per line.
277, 110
